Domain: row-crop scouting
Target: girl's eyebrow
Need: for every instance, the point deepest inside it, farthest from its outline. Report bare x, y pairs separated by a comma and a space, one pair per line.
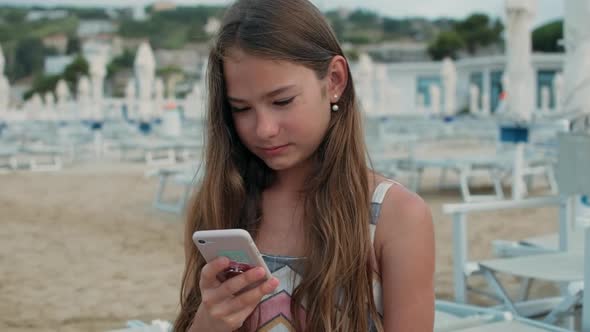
267, 95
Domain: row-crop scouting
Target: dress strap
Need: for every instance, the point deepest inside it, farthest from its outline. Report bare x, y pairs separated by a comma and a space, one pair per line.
377, 199
380, 191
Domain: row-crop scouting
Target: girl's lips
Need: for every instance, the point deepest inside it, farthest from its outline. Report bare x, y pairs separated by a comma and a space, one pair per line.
274, 147
274, 150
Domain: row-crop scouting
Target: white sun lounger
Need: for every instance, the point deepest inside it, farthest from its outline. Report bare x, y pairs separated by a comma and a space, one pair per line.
181, 175
467, 318
8, 157
565, 268
44, 157
153, 151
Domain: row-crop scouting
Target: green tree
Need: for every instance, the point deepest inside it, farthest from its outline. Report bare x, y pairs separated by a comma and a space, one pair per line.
13, 15
29, 58
478, 30
129, 28
90, 13
546, 37
75, 70
364, 18
197, 33
122, 62
337, 23
352, 54
358, 39
73, 46
447, 44
172, 28
168, 72
42, 85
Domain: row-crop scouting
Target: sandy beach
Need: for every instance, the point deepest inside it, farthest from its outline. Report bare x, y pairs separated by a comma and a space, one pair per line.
83, 249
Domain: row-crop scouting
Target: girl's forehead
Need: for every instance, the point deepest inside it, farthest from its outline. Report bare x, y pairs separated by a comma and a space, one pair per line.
239, 59
247, 74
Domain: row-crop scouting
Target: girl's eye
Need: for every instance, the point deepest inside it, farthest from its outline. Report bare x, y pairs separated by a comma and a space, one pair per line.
237, 109
284, 102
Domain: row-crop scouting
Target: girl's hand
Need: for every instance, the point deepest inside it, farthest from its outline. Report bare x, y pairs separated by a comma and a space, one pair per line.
225, 306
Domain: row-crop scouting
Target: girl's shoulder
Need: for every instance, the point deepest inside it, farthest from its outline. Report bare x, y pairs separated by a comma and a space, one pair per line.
404, 217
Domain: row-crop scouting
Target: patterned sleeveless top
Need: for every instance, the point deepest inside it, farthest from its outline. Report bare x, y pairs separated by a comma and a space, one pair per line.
275, 309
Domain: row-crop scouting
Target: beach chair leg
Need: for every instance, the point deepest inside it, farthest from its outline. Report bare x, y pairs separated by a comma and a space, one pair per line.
172, 156
58, 162
464, 184
184, 199
495, 284
530, 181
497, 181
525, 289
550, 174
71, 153
443, 178
160, 191
586, 295
563, 308
149, 158
417, 179
460, 257
173, 207
185, 155
13, 163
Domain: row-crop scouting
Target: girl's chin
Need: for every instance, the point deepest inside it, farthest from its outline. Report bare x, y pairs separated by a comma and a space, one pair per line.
278, 166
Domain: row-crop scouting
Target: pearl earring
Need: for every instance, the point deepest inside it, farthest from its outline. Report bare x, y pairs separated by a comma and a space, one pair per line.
335, 107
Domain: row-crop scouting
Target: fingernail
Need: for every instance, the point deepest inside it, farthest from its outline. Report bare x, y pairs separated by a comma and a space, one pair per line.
274, 282
259, 272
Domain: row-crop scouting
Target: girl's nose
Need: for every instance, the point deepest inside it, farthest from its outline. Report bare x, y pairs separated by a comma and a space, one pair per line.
266, 125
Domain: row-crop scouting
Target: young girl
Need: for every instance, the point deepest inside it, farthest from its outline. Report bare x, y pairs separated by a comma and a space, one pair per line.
286, 161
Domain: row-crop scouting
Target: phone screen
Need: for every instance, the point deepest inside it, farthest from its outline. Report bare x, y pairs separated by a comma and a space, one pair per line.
239, 263
234, 269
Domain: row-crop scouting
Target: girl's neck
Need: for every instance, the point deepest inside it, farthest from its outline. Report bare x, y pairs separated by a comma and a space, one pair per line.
292, 179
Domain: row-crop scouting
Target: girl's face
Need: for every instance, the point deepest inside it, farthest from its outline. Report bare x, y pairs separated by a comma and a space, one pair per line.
281, 110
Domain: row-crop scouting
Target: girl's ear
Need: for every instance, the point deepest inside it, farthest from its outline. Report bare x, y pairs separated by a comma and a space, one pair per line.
337, 78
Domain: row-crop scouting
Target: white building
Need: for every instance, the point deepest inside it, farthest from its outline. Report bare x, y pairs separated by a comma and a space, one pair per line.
91, 28
412, 80
398, 51
36, 15
139, 13
190, 60
55, 65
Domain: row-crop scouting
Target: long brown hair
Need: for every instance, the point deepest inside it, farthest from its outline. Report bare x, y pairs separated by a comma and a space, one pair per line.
337, 198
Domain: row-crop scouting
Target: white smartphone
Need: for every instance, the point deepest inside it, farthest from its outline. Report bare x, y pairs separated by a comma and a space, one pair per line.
235, 244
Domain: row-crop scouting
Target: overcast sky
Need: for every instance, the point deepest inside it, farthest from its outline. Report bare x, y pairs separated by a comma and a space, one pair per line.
547, 9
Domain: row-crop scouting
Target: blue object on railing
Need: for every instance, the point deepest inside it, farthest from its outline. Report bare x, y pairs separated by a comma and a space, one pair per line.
145, 127
448, 118
96, 125
514, 134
